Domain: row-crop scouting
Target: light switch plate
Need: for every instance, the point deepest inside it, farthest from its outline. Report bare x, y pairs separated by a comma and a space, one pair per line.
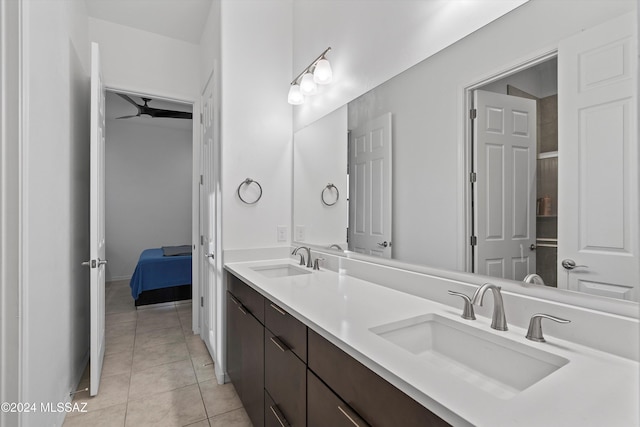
282, 233
300, 233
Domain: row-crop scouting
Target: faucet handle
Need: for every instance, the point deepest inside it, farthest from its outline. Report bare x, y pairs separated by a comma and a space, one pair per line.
535, 326
467, 312
316, 263
302, 261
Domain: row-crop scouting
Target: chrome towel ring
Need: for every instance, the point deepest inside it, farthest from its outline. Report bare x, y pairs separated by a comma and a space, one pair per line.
249, 181
329, 187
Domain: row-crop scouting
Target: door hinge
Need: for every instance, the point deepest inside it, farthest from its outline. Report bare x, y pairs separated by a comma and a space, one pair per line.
474, 240
201, 240
201, 301
473, 177
347, 234
200, 117
473, 113
201, 179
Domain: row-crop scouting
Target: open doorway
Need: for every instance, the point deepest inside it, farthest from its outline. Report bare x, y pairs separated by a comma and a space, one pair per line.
514, 174
148, 200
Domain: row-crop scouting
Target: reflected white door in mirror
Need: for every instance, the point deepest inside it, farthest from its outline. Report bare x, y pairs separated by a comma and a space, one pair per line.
598, 161
505, 216
370, 188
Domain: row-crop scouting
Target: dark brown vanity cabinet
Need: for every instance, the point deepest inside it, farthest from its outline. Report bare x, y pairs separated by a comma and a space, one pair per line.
288, 375
245, 348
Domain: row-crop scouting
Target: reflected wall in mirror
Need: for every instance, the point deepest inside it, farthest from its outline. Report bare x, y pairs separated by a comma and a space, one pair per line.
320, 159
596, 211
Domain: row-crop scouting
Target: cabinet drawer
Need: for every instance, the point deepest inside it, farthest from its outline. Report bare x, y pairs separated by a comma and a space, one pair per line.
371, 396
273, 416
325, 408
285, 380
248, 297
286, 327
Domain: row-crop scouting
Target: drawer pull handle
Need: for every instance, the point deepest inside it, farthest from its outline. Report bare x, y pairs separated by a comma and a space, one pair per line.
283, 422
278, 309
283, 348
241, 308
355, 420
235, 301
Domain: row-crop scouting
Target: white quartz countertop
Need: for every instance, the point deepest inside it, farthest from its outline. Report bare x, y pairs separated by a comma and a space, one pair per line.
594, 389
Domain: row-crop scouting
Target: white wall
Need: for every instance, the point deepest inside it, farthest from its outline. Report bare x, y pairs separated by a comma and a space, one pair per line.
319, 158
9, 206
147, 63
148, 191
55, 206
256, 119
373, 41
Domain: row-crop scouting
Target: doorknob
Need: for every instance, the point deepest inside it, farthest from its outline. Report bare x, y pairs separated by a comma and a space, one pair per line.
384, 244
94, 263
532, 247
570, 264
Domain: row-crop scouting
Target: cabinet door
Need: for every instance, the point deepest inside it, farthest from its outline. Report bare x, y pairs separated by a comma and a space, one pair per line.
327, 409
234, 345
245, 358
371, 396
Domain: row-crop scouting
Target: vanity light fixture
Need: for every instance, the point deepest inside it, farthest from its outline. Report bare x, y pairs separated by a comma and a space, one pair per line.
305, 84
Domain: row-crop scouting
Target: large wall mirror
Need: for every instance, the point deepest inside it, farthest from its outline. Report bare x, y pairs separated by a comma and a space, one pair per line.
522, 185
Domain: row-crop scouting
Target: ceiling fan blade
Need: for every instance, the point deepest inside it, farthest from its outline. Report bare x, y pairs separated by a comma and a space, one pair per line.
170, 114
128, 99
128, 117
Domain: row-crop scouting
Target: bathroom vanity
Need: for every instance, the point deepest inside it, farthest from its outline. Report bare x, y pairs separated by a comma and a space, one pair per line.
325, 347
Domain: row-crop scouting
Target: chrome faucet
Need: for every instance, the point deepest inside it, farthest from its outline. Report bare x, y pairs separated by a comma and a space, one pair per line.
498, 320
295, 252
533, 279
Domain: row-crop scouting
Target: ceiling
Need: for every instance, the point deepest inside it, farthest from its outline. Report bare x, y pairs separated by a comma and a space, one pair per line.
179, 19
116, 107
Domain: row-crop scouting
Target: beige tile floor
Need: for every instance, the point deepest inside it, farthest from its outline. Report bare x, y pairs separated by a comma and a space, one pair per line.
156, 372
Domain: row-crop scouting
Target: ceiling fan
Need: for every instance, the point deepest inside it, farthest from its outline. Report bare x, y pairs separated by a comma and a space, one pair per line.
145, 110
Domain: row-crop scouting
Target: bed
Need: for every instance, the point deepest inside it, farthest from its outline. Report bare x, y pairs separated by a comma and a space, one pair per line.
162, 275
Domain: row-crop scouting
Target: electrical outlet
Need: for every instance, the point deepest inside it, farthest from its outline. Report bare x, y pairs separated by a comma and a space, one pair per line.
300, 233
282, 233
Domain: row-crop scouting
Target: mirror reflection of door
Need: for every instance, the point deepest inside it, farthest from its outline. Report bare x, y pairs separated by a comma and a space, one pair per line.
599, 252
522, 196
370, 188
505, 152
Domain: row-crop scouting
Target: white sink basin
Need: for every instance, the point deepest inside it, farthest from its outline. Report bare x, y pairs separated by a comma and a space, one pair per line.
492, 363
283, 270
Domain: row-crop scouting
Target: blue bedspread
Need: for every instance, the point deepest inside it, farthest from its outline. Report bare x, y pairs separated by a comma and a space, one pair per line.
155, 271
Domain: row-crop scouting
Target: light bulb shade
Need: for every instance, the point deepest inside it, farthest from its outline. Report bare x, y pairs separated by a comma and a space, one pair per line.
322, 73
295, 96
307, 85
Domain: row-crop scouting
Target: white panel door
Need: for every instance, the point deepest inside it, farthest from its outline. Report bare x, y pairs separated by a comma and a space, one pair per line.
505, 217
97, 240
370, 188
598, 160
207, 220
